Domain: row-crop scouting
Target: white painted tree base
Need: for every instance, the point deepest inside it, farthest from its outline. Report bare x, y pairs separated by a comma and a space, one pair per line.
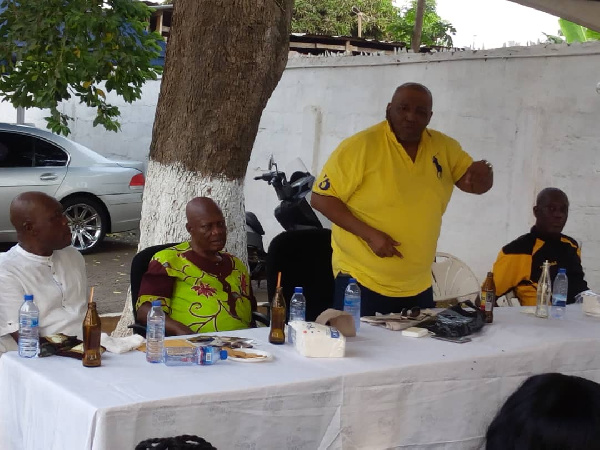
167, 191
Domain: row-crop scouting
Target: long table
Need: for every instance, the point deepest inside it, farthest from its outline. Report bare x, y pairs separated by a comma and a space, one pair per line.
389, 391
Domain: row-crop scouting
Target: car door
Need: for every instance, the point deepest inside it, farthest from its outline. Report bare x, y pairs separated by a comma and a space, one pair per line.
27, 163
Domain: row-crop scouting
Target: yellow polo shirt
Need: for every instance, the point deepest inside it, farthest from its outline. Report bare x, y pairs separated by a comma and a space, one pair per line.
374, 176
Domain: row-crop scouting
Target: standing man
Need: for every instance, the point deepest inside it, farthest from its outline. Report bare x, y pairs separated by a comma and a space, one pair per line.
44, 264
385, 189
519, 263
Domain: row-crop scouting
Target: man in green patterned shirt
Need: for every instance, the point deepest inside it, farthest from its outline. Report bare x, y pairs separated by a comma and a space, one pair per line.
203, 289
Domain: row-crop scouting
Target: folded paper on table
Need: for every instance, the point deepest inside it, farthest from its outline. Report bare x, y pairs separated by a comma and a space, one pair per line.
590, 303
121, 344
341, 320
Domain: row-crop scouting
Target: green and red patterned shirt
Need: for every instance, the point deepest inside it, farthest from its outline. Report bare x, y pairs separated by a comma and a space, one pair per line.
206, 296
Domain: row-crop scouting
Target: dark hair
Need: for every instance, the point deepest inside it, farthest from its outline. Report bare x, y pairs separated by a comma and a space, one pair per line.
183, 442
548, 412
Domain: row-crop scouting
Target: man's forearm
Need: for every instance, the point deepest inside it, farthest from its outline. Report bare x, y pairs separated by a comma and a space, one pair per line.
337, 211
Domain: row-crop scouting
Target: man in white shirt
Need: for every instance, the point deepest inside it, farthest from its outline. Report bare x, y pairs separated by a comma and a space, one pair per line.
44, 264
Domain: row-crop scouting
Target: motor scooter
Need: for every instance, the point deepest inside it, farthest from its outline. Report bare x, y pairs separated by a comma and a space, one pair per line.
293, 212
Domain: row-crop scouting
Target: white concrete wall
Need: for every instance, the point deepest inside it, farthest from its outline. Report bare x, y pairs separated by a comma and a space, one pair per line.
533, 112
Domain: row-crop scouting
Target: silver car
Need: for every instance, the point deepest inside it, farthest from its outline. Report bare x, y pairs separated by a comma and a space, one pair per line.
99, 195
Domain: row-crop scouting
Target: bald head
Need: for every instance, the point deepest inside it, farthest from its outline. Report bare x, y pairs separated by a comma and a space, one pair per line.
409, 112
416, 87
40, 223
206, 225
200, 206
24, 206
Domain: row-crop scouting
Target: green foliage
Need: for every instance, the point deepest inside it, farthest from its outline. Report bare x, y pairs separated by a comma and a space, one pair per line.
577, 33
381, 20
52, 50
436, 31
338, 17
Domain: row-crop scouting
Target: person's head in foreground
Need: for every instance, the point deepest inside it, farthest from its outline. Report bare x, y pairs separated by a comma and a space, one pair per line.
551, 211
40, 223
548, 412
207, 228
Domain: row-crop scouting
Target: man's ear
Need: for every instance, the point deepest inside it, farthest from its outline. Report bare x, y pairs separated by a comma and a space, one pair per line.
188, 227
535, 211
28, 226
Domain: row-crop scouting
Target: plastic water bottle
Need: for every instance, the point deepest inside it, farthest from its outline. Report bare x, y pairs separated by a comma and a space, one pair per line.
559, 294
298, 306
155, 333
352, 301
29, 331
209, 355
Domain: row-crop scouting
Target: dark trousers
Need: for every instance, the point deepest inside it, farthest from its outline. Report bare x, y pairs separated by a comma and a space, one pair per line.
372, 302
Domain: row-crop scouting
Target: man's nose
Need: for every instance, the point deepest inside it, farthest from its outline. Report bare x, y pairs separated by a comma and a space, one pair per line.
410, 115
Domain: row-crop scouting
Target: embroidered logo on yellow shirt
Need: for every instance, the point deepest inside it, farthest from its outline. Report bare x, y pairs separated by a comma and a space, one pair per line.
438, 167
325, 184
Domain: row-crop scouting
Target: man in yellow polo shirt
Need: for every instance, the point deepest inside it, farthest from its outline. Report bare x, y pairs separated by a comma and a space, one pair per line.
385, 189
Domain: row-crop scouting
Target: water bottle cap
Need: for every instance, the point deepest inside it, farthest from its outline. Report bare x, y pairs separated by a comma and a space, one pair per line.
223, 354
156, 303
28, 297
352, 280
562, 270
297, 290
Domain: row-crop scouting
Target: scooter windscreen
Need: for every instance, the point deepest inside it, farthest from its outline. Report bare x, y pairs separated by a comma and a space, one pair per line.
301, 183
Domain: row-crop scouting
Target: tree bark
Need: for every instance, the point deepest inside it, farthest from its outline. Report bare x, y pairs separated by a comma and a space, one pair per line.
224, 59
415, 43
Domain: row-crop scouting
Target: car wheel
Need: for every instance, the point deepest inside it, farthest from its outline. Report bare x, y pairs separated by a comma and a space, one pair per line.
88, 222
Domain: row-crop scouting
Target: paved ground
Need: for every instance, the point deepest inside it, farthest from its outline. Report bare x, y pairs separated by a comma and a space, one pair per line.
108, 271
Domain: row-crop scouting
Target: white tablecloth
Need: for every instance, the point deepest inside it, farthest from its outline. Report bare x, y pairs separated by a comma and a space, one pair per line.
389, 392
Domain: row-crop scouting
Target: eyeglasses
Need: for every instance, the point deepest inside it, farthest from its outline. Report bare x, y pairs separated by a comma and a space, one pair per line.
411, 313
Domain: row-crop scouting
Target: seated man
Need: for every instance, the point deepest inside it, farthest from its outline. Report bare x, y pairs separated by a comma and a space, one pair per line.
44, 264
202, 288
519, 263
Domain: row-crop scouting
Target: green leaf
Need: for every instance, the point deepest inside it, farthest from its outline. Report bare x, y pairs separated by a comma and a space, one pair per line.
571, 31
59, 46
592, 35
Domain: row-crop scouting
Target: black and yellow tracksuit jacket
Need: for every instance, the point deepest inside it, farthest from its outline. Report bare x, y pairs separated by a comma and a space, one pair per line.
519, 265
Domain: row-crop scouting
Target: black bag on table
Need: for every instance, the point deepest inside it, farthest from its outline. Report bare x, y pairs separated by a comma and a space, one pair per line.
462, 319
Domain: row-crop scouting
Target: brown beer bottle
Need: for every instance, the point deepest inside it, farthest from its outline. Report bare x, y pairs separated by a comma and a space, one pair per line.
488, 297
277, 334
91, 337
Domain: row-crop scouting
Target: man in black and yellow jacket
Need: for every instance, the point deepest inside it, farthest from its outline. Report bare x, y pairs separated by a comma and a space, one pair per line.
519, 263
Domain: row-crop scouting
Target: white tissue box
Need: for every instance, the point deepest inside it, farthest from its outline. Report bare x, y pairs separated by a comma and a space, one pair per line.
317, 341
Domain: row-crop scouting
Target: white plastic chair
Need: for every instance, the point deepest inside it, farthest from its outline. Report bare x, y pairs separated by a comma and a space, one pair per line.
452, 279
508, 299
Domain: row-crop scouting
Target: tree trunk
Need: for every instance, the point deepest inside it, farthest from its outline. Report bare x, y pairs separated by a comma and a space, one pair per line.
223, 61
415, 42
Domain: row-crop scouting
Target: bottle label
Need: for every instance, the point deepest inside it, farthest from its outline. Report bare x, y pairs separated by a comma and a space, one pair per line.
487, 300
29, 322
349, 301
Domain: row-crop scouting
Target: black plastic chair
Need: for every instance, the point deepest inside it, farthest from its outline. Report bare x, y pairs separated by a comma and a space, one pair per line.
304, 259
139, 266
